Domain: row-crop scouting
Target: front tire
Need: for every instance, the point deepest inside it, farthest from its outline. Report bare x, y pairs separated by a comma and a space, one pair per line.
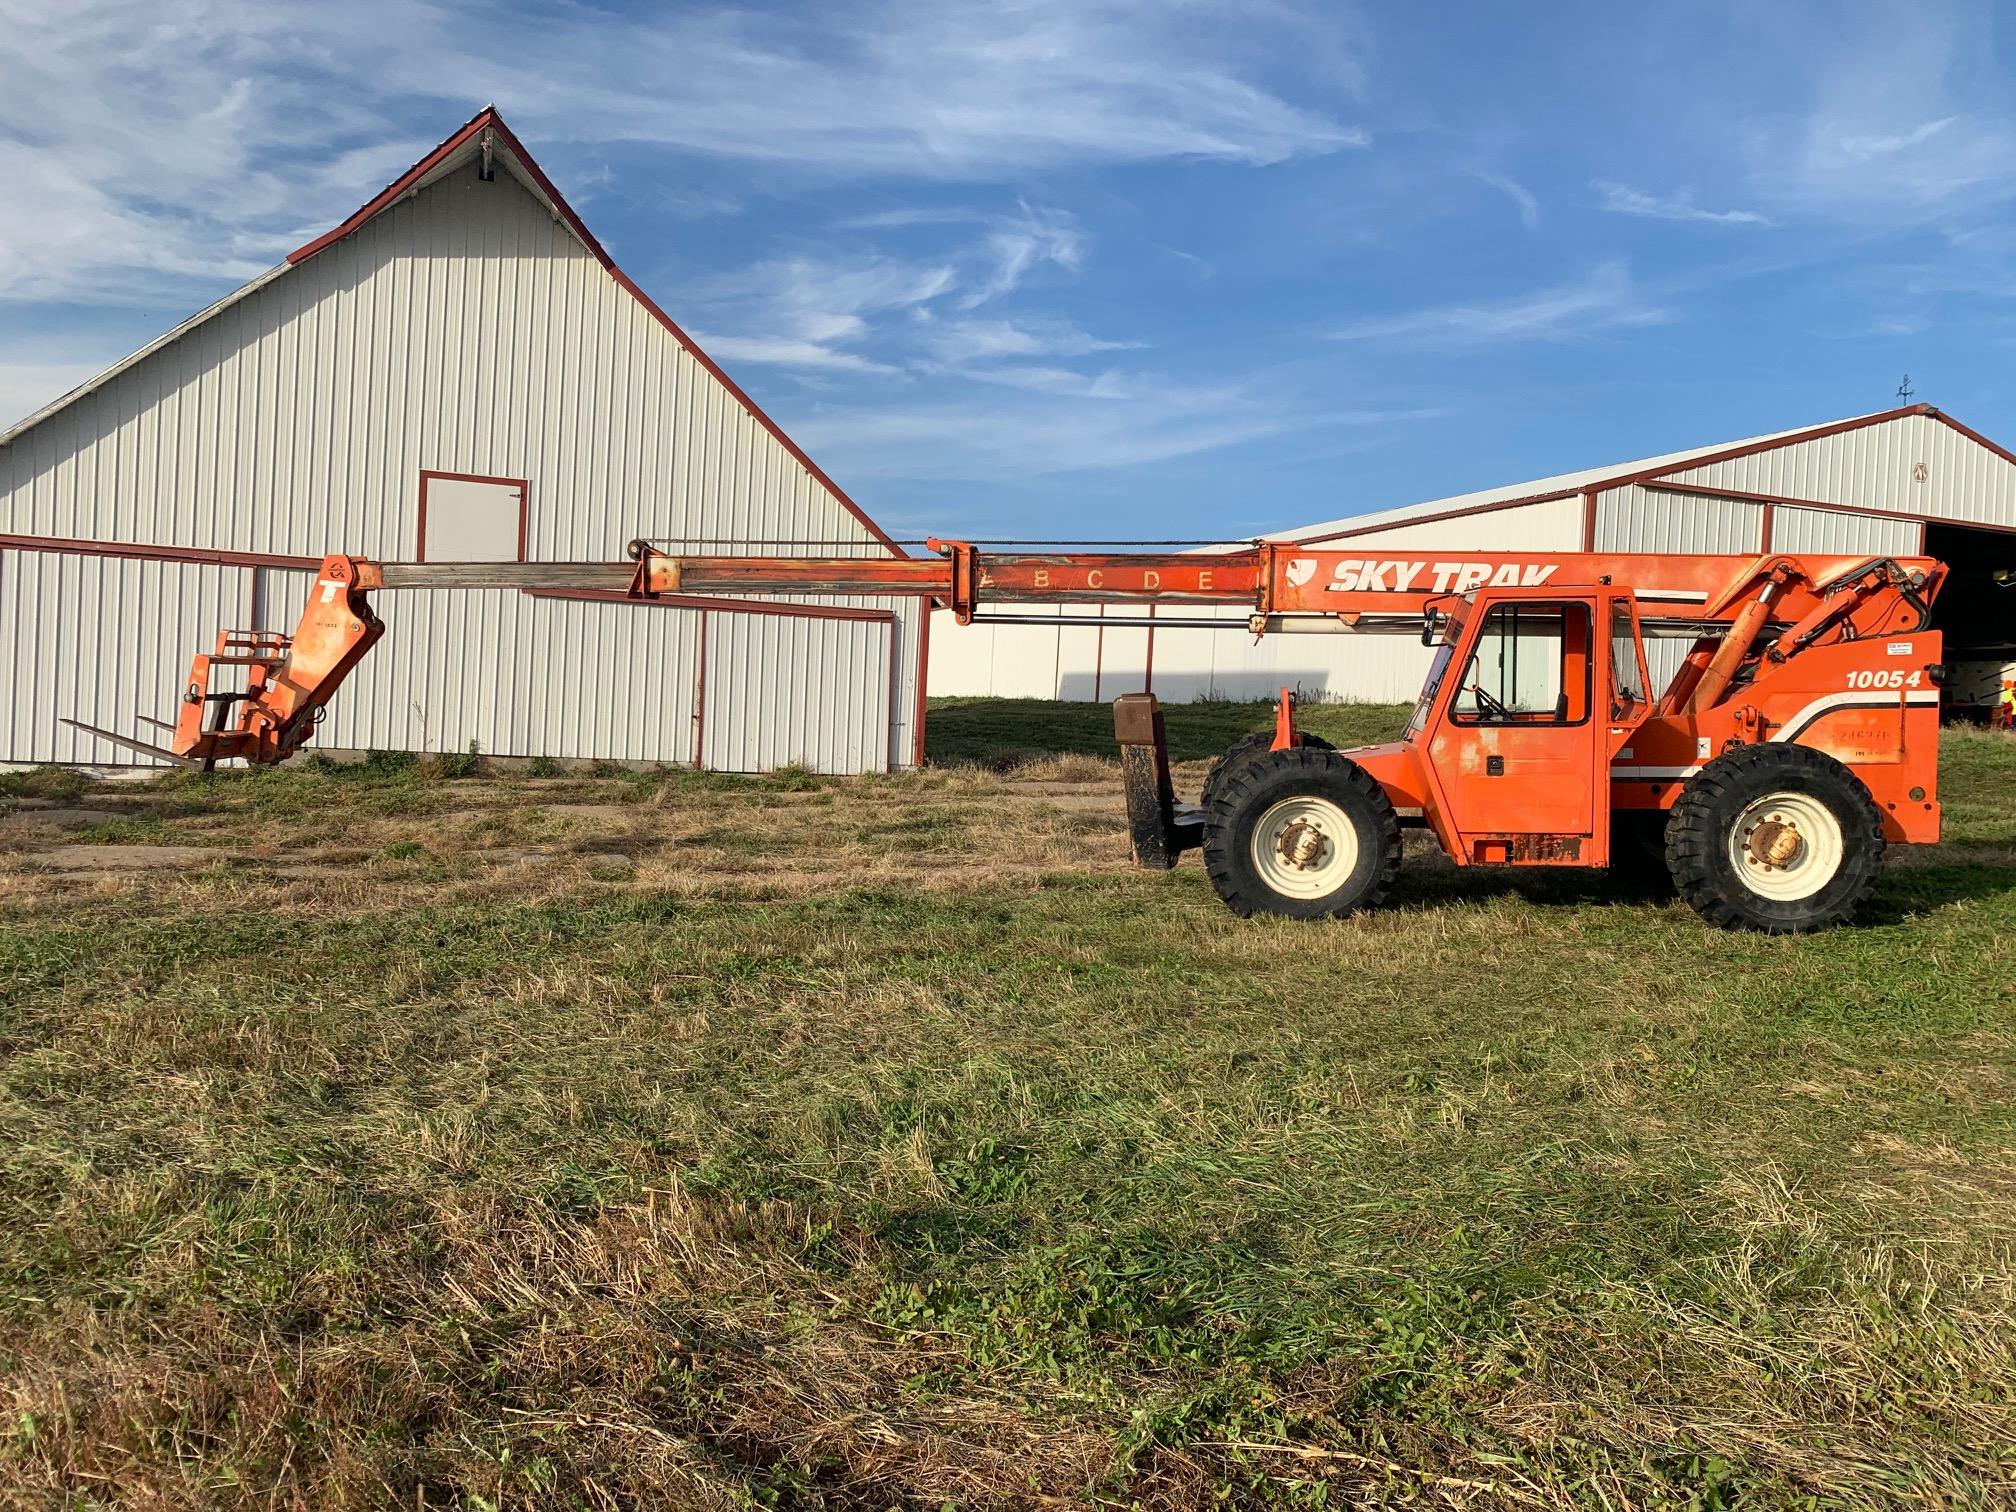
1245, 749
1302, 833
1777, 838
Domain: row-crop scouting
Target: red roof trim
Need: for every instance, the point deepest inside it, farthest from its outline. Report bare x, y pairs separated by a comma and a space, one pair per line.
1971, 434
488, 120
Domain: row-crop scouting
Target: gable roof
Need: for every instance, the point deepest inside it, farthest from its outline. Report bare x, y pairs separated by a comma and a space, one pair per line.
1600, 479
486, 136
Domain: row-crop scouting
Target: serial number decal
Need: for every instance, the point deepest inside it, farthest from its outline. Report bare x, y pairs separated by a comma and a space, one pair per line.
1898, 679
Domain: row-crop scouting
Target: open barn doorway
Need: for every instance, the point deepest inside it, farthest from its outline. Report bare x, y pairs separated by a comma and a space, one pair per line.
1977, 614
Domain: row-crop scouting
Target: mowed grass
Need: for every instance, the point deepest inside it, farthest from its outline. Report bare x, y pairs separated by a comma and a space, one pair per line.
673, 1140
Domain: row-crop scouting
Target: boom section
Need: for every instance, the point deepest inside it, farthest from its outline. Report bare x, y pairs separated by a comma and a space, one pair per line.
1280, 583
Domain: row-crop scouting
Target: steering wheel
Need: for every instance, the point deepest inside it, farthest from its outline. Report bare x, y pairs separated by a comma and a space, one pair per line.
1490, 703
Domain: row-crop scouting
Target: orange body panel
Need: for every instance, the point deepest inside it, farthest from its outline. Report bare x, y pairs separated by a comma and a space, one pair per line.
1871, 704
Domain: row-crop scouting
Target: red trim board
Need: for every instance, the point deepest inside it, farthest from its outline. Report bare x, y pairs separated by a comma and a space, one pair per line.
924, 614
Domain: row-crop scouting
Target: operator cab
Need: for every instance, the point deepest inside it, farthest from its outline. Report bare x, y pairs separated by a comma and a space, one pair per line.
1531, 693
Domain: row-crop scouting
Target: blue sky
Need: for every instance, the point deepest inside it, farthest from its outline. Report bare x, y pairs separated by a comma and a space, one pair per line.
1081, 268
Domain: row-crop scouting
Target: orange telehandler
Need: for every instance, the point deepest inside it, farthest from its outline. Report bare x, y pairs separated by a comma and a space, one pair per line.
1798, 736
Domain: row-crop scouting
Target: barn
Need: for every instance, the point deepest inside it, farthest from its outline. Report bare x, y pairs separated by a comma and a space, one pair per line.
1905, 481
459, 371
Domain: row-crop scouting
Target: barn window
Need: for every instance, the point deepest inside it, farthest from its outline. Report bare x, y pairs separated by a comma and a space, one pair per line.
465, 517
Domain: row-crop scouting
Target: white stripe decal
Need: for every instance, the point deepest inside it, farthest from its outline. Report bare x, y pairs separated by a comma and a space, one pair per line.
1793, 727
1822, 706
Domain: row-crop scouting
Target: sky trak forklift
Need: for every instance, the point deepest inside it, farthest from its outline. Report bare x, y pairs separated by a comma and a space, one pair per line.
1796, 739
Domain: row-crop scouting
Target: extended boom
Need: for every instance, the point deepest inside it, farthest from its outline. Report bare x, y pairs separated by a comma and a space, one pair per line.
1795, 738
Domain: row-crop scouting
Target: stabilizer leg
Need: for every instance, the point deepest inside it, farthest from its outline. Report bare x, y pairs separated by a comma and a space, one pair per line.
1159, 828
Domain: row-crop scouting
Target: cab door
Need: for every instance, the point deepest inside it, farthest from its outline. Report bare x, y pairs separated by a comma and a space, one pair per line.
1520, 750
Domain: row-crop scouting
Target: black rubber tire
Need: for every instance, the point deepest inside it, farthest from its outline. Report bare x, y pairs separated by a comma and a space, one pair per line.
1638, 852
1254, 786
1697, 838
1244, 749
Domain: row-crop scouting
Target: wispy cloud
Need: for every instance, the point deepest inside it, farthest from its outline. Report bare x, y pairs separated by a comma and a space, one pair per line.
905, 219
156, 145
958, 90
1621, 199
1042, 428
1035, 236
959, 343
1523, 199
1606, 299
1037, 430
823, 313
815, 313
1866, 147
1900, 126
1057, 380
788, 352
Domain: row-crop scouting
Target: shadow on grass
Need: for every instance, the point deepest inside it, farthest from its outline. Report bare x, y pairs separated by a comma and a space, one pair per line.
1429, 880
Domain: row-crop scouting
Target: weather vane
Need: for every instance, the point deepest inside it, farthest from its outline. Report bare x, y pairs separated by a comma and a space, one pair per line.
1904, 389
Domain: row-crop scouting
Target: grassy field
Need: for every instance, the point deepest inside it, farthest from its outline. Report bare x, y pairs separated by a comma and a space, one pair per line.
676, 1140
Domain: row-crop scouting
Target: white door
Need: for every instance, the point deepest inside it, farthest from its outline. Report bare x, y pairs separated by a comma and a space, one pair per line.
468, 519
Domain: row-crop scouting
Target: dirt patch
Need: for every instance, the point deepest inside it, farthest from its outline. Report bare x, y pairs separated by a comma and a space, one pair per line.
111, 858
32, 813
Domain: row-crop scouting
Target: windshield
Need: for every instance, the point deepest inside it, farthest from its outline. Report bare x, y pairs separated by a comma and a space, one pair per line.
1437, 670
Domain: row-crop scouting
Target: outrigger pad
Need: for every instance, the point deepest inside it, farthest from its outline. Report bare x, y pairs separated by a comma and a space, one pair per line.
1159, 828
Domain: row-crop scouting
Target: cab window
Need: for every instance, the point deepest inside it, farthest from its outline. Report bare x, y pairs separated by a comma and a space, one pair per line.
1627, 670
1530, 666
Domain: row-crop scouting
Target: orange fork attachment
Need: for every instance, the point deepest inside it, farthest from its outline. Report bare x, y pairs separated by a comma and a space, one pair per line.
289, 679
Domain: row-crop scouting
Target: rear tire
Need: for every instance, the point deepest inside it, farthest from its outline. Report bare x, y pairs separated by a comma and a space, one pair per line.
1243, 750
1777, 838
1302, 833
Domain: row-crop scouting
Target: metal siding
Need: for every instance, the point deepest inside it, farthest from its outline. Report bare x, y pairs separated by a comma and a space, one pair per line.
1123, 651
778, 696
1553, 526
462, 330
1640, 519
1822, 530
102, 639
1876, 467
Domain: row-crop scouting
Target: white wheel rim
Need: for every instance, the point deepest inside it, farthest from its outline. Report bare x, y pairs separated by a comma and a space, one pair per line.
1786, 846
1305, 847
